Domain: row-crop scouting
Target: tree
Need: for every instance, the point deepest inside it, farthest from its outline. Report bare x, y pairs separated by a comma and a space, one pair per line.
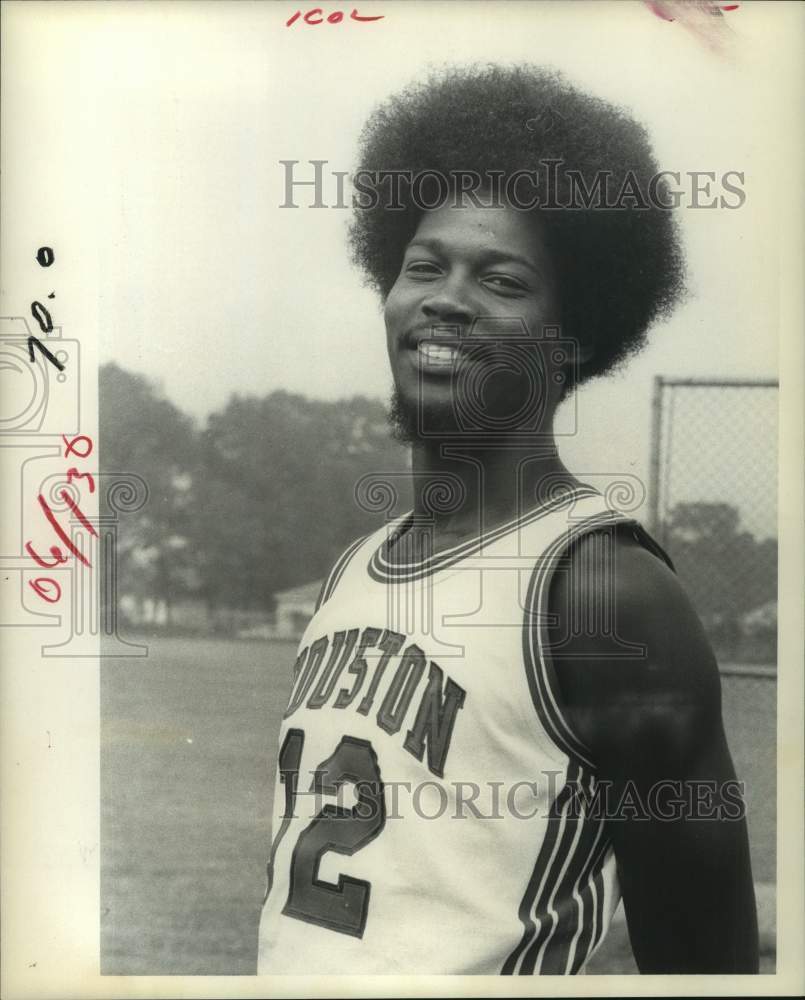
143, 433
290, 466
262, 499
726, 570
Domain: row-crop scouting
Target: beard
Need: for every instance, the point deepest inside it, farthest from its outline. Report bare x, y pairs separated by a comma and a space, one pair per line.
508, 402
406, 419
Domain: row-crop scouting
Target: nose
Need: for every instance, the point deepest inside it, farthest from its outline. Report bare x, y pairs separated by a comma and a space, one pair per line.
449, 302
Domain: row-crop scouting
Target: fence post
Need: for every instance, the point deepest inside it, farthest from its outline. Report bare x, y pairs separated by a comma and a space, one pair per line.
655, 463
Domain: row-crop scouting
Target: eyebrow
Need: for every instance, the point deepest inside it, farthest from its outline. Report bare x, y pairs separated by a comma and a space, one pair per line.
491, 255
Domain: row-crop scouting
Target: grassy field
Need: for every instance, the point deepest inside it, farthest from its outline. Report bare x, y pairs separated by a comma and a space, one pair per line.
188, 743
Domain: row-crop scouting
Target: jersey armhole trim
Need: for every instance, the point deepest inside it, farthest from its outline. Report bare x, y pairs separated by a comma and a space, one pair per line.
645, 539
332, 580
540, 672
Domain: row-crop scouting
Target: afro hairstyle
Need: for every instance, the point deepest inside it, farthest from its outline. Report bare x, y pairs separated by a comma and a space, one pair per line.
618, 269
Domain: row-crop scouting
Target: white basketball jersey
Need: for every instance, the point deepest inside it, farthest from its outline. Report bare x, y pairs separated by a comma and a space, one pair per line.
427, 814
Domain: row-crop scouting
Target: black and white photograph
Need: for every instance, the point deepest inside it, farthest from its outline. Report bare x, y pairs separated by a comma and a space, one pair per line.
402, 466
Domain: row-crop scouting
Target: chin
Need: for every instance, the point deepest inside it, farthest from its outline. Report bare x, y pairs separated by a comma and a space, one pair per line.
412, 422
504, 414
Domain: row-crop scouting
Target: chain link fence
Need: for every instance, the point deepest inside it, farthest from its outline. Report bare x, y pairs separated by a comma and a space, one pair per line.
713, 507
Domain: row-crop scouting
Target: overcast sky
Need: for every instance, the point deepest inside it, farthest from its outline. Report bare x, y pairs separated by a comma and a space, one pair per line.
209, 287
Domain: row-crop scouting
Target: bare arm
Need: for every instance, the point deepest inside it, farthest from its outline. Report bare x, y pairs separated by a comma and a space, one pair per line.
653, 726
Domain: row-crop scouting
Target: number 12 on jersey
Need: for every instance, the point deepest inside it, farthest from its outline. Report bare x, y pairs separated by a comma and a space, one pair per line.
341, 906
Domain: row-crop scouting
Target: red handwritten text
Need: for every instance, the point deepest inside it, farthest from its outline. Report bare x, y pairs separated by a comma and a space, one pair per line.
45, 586
316, 16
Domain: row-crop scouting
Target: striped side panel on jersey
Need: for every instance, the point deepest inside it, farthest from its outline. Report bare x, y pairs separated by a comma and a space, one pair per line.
337, 571
556, 952
562, 907
592, 900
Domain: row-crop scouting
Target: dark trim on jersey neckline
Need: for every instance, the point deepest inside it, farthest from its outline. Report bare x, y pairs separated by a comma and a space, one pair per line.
381, 570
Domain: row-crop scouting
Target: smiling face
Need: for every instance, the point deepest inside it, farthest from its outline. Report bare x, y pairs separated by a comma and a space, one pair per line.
464, 325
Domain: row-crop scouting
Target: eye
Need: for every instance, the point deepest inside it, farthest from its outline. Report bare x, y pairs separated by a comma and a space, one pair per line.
422, 268
505, 283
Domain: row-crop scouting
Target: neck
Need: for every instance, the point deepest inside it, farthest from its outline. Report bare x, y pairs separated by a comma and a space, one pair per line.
470, 487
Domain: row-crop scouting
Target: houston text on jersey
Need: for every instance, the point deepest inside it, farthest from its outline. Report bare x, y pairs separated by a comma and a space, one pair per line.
439, 700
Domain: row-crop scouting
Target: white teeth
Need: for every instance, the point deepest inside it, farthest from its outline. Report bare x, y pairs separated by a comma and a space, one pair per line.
437, 354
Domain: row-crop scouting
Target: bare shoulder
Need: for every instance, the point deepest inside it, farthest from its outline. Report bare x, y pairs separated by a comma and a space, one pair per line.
629, 652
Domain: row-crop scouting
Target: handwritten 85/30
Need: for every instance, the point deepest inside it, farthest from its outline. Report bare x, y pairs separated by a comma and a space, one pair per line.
79, 446
45, 586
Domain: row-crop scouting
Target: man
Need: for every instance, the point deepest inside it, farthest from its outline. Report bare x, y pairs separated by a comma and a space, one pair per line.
505, 714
